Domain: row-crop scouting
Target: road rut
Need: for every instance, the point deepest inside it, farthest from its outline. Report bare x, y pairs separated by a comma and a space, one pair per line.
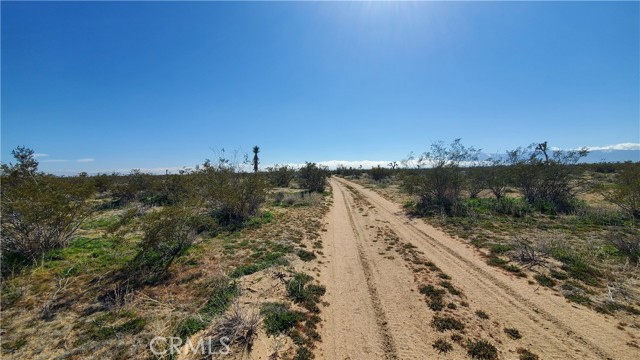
376, 260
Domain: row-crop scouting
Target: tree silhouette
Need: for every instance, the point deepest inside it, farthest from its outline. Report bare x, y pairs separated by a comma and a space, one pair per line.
256, 150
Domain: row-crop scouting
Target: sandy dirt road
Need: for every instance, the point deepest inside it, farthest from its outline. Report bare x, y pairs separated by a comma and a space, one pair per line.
376, 261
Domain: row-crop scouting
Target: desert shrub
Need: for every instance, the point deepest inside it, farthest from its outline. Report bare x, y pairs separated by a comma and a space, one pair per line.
190, 326
443, 346
300, 199
513, 333
305, 255
349, 172
281, 176
495, 178
444, 323
379, 173
475, 181
436, 296
439, 188
576, 266
510, 206
254, 267
482, 350
222, 292
452, 289
279, 318
312, 177
482, 315
233, 196
436, 304
128, 188
546, 180
625, 191
308, 295
39, 212
431, 291
165, 190
525, 354
303, 353
238, 327
167, 234
544, 280
626, 245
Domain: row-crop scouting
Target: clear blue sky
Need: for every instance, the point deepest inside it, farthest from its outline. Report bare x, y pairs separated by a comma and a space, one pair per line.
147, 85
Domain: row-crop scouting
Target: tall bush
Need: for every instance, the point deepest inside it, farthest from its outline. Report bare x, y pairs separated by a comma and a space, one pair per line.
39, 212
625, 191
234, 196
439, 187
312, 177
545, 178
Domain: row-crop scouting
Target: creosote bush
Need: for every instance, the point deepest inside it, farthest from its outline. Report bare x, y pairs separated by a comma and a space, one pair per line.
625, 191
39, 212
546, 179
313, 177
167, 234
281, 176
439, 188
233, 196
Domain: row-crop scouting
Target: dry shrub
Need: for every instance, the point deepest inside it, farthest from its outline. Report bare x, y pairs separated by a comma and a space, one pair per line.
237, 328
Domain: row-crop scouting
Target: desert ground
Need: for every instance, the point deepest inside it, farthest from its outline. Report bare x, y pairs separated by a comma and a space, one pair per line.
375, 263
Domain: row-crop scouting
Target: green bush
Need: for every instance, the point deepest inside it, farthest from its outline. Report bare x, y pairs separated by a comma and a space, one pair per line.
442, 346
308, 295
626, 190
167, 234
482, 350
379, 173
281, 176
312, 177
39, 212
547, 180
439, 187
305, 255
444, 323
223, 291
544, 280
231, 195
279, 319
190, 326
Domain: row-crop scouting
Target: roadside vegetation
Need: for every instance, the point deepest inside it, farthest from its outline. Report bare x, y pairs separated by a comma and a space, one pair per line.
534, 212
104, 263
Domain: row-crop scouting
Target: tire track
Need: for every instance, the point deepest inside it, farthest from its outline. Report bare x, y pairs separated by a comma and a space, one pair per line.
381, 320
491, 284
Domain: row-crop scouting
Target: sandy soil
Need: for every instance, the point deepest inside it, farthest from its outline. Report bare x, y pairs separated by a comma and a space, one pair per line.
376, 311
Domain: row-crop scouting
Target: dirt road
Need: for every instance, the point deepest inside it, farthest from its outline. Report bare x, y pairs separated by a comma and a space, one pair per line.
377, 260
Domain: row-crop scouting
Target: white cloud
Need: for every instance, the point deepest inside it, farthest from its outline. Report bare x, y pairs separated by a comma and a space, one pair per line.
85, 160
40, 155
366, 164
55, 160
623, 146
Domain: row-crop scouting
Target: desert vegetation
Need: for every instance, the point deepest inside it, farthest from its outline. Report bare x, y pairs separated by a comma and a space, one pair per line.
534, 212
108, 261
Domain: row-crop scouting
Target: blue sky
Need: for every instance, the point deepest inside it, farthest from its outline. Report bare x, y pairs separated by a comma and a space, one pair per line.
149, 85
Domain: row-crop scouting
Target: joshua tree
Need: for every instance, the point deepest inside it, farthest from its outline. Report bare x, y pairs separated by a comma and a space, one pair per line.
256, 150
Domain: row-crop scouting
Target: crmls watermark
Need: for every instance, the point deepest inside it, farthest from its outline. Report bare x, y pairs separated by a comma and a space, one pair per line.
174, 345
